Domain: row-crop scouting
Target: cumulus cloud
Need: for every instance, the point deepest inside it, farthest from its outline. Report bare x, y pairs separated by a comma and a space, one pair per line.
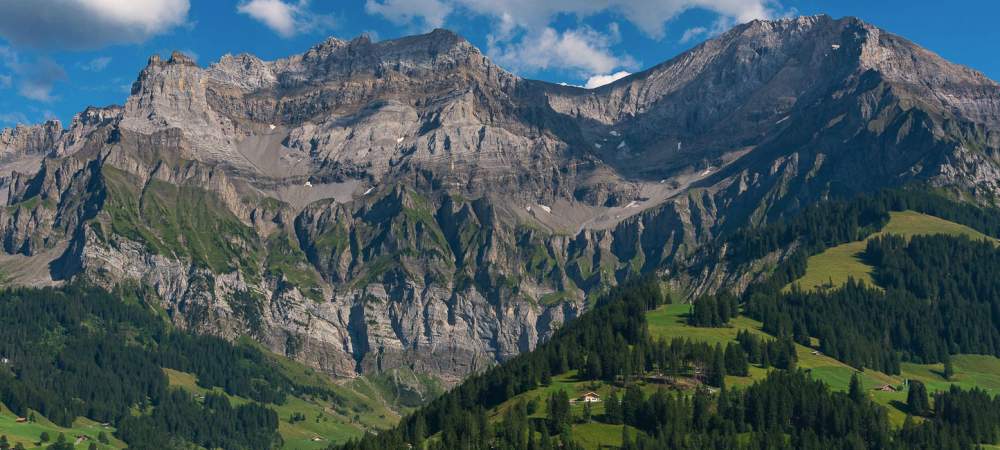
87, 24
650, 16
96, 65
401, 12
582, 50
524, 38
597, 81
285, 18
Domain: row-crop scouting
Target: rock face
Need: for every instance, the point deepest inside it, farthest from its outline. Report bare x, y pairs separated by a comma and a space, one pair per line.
408, 204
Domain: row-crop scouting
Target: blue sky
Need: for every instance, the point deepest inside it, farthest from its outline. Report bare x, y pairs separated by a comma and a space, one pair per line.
59, 56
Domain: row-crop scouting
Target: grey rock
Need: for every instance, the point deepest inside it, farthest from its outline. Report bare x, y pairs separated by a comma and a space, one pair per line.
407, 204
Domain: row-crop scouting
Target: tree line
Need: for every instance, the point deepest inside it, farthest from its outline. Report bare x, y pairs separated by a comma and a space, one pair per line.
80, 351
938, 295
786, 410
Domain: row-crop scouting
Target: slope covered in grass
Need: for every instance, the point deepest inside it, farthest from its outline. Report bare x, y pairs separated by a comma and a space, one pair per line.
833, 266
307, 422
27, 433
971, 371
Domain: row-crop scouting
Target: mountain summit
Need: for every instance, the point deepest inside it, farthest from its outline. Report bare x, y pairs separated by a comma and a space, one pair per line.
365, 206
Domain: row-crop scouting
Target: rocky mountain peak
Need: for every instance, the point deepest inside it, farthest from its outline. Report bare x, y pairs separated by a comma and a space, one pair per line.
29, 139
410, 196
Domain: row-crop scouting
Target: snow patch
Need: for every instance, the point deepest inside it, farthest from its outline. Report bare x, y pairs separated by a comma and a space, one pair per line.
782, 120
597, 145
309, 184
546, 208
369, 191
835, 46
707, 171
614, 133
398, 140
621, 145
632, 204
271, 126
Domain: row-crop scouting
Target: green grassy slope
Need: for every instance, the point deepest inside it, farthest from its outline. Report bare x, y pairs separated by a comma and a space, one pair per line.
971, 370
591, 435
325, 422
28, 433
670, 321
835, 265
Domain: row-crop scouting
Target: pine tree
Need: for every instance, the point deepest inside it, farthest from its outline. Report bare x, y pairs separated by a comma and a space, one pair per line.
632, 404
593, 370
917, 399
546, 378
419, 429
613, 409
717, 370
736, 361
949, 369
857, 390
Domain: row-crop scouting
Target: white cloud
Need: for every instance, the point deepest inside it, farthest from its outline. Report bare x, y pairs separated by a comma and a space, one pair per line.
650, 16
401, 12
692, 33
97, 64
84, 24
597, 81
524, 38
285, 18
580, 50
34, 79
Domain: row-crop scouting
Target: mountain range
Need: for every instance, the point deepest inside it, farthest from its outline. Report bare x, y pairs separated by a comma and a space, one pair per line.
408, 204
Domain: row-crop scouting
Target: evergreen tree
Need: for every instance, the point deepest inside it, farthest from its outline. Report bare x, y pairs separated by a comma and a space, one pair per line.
949, 369
917, 400
61, 443
613, 409
736, 361
559, 413
716, 375
856, 391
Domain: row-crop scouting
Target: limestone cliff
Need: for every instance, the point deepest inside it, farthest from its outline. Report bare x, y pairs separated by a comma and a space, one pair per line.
408, 204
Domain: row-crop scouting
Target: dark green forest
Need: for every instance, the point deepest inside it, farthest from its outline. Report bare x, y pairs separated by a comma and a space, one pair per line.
81, 351
939, 295
786, 410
